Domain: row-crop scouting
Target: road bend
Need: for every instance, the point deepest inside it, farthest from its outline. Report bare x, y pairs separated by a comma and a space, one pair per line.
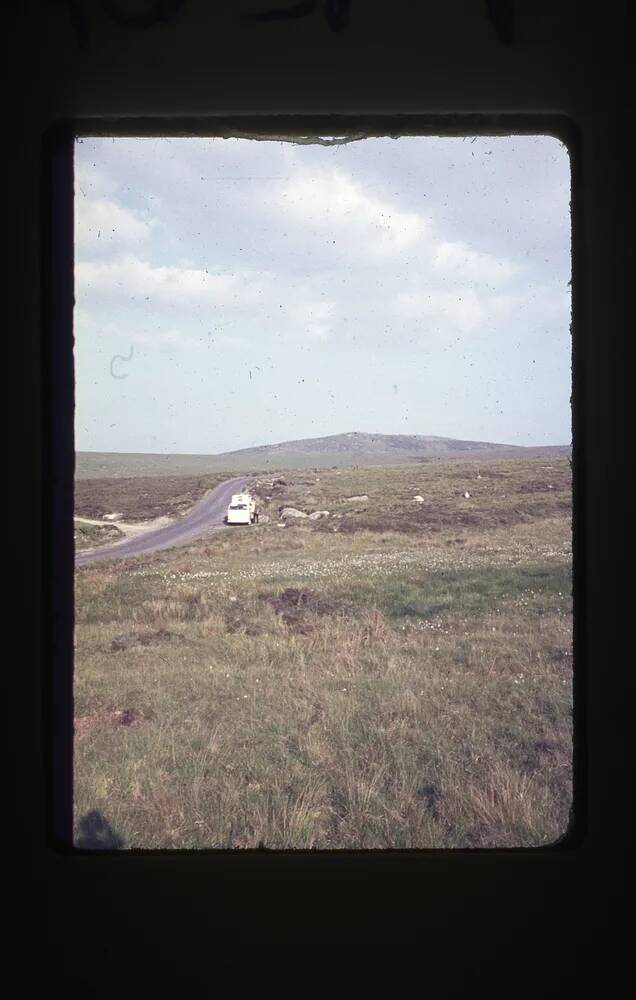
207, 516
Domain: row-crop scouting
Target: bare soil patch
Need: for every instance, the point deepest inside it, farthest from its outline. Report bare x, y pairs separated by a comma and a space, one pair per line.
296, 606
123, 642
129, 717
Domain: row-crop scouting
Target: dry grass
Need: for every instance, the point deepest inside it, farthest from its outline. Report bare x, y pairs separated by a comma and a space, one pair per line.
413, 691
500, 493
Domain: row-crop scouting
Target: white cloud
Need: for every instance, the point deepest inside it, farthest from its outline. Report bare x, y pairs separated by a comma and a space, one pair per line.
329, 199
314, 318
373, 228
460, 261
103, 225
463, 309
128, 278
89, 181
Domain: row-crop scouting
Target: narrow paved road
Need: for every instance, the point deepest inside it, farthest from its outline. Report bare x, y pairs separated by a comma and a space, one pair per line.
206, 516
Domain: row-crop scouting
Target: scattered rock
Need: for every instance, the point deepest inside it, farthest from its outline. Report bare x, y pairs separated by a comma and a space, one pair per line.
318, 514
292, 512
112, 517
419, 499
279, 482
363, 496
467, 495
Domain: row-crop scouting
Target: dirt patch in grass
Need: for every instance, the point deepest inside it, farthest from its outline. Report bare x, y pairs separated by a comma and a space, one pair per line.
431, 797
542, 755
123, 642
296, 608
129, 717
244, 620
338, 808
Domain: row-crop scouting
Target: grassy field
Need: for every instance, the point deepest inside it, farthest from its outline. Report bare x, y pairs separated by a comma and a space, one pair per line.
396, 675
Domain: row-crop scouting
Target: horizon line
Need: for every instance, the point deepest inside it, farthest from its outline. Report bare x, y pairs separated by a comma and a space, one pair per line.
274, 444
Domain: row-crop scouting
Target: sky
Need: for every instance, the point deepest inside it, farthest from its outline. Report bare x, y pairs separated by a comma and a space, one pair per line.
235, 292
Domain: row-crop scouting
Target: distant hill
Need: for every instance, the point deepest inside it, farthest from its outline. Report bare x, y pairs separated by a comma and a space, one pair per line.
339, 450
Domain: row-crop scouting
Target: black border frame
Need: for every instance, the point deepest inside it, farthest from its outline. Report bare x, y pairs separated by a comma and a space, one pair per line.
536, 925
58, 433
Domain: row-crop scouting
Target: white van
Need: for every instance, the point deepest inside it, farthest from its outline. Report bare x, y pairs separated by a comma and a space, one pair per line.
242, 509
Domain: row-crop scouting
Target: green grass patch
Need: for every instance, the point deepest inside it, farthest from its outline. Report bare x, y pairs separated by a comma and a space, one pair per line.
471, 592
